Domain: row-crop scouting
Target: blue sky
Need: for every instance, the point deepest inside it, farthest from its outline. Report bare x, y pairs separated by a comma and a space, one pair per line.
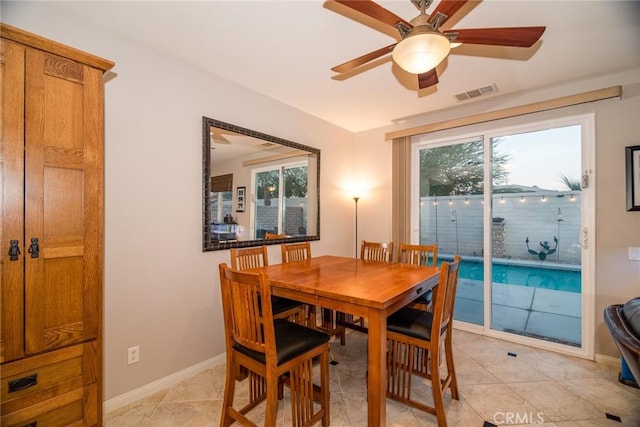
542, 157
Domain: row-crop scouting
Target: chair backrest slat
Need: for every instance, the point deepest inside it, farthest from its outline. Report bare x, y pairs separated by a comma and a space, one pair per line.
247, 258
295, 251
418, 254
375, 251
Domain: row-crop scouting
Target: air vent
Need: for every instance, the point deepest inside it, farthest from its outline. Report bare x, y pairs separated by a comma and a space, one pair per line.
474, 93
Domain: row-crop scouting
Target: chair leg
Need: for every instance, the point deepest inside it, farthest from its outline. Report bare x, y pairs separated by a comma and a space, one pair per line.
281, 382
272, 401
451, 370
229, 391
436, 389
324, 383
332, 324
242, 373
312, 316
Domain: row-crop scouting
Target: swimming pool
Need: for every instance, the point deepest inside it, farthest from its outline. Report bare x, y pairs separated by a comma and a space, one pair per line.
523, 275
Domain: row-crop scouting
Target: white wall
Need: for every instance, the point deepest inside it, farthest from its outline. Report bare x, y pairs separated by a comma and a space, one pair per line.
617, 126
161, 290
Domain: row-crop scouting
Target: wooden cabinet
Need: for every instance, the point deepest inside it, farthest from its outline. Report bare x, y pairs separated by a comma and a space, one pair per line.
51, 231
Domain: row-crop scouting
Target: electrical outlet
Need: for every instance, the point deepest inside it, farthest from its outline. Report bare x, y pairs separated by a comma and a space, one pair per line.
133, 355
634, 254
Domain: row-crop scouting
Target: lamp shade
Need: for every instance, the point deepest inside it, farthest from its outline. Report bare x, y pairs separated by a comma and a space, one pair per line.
422, 50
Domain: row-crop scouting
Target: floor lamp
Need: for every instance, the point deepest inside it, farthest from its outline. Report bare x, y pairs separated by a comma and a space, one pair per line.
355, 199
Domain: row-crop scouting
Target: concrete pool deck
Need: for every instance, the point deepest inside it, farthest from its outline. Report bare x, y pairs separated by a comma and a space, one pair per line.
542, 313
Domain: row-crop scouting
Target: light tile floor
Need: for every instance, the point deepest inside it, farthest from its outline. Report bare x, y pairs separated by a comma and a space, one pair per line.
535, 387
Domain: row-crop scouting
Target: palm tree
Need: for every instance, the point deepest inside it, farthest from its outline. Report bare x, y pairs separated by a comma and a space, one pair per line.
572, 184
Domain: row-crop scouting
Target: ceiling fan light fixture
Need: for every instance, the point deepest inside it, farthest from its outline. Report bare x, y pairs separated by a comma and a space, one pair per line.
421, 50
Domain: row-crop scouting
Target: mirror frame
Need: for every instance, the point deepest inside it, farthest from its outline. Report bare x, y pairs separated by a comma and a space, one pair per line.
207, 244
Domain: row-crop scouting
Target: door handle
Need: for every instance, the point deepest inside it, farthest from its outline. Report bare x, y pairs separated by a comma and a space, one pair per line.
14, 250
34, 248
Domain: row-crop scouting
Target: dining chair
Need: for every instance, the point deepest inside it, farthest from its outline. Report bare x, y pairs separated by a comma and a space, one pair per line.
301, 251
376, 251
268, 235
274, 351
283, 308
295, 251
415, 335
419, 255
369, 251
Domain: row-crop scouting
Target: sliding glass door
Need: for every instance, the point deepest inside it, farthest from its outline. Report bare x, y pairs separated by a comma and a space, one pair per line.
535, 234
524, 238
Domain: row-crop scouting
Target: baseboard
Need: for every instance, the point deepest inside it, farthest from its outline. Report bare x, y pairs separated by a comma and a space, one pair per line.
161, 384
607, 360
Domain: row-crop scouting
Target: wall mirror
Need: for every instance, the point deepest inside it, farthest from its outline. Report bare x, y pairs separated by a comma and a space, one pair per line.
257, 189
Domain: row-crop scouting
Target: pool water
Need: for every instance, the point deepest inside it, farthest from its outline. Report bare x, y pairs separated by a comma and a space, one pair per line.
547, 278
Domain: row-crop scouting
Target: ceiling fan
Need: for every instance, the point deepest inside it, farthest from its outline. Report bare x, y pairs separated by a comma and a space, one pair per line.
424, 45
218, 137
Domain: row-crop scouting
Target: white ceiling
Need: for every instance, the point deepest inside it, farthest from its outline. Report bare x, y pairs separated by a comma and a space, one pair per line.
285, 49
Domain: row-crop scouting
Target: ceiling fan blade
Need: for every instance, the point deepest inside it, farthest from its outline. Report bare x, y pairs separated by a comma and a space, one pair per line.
350, 65
375, 11
218, 137
448, 8
428, 79
510, 36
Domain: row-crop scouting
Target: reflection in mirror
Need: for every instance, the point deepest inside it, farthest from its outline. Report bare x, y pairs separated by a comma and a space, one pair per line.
257, 189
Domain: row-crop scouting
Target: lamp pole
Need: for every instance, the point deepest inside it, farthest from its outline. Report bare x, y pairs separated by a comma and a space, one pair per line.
355, 199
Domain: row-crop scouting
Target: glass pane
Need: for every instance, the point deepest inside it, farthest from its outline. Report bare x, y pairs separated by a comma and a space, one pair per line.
451, 216
267, 194
536, 252
295, 201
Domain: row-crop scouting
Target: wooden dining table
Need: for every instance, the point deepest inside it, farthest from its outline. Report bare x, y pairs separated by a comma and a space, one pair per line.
370, 289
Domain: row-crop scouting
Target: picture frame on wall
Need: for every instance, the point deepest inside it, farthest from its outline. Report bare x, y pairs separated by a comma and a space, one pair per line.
240, 198
633, 177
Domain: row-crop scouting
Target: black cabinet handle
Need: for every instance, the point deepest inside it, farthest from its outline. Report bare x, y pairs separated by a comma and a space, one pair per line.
23, 383
14, 250
34, 248
419, 291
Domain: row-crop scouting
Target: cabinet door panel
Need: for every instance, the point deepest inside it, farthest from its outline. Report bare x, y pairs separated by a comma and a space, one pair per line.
63, 183
11, 199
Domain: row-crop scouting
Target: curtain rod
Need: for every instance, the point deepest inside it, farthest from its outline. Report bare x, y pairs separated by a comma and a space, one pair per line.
565, 101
